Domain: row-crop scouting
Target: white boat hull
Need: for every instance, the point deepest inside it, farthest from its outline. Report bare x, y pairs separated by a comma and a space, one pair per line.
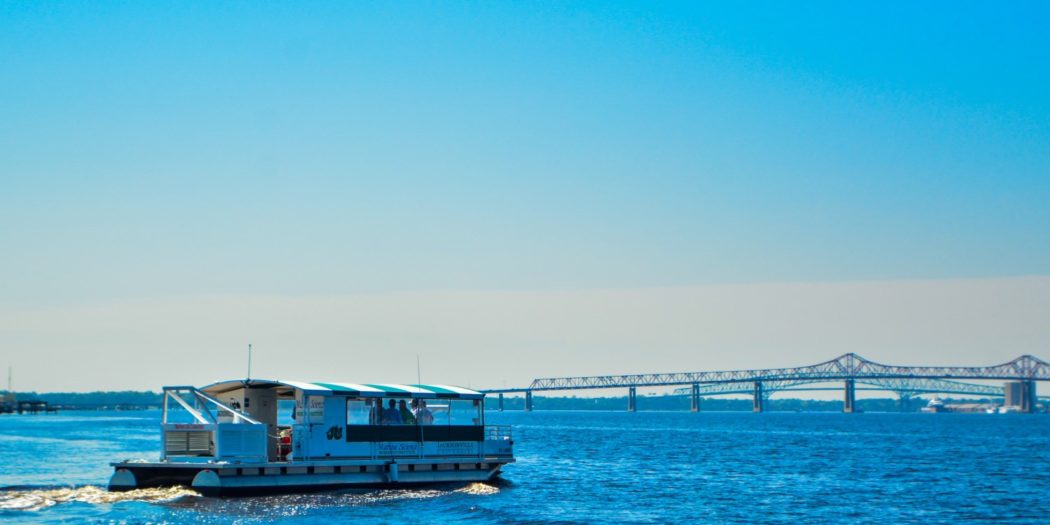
240, 480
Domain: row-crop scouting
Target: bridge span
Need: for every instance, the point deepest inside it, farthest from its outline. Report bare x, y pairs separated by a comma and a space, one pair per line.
849, 368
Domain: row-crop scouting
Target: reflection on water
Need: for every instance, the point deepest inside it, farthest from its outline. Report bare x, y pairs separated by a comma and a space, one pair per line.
43, 498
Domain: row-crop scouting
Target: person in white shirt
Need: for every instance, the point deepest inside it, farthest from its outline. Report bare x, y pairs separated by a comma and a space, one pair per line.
423, 414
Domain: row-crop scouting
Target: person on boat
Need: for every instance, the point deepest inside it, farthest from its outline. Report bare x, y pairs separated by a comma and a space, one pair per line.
378, 417
406, 415
423, 414
391, 416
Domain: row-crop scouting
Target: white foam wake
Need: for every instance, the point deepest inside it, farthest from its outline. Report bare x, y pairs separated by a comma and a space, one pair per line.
43, 498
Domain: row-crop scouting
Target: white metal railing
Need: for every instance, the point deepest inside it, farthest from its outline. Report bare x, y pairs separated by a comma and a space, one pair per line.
201, 411
219, 430
498, 433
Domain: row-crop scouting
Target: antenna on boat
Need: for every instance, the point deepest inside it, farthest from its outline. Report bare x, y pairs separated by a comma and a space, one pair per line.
249, 378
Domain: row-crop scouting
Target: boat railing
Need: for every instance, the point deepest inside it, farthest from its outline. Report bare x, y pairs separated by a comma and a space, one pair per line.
202, 406
498, 433
218, 430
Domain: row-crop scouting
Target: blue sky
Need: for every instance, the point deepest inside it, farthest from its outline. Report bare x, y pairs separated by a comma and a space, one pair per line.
159, 149
153, 148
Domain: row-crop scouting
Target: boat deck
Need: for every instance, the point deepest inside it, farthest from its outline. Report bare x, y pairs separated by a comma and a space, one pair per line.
226, 479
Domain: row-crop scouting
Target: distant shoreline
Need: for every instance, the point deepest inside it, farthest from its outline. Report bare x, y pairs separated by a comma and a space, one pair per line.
146, 400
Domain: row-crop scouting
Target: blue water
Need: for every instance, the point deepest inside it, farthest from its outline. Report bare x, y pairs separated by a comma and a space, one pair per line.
594, 467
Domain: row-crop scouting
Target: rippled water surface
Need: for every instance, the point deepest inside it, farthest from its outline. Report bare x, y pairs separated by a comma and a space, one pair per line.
594, 467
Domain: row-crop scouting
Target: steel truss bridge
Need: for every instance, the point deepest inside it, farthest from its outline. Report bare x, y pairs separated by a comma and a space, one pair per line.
848, 368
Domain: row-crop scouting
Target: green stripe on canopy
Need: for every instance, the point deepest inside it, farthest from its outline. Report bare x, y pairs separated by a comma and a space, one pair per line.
441, 392
338, 388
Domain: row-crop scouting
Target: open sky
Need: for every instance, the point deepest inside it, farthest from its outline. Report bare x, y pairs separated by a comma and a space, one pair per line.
521, 189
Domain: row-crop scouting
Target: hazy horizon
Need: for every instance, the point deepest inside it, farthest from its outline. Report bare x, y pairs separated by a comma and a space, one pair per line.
488, 339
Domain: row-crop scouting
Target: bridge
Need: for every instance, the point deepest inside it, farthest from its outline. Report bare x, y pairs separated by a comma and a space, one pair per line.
1020, 373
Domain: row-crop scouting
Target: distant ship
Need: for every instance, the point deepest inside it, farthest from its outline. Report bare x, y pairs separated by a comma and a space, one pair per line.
934, 406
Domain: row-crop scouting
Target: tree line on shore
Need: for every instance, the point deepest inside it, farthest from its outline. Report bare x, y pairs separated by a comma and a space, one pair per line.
655, 402
95, 399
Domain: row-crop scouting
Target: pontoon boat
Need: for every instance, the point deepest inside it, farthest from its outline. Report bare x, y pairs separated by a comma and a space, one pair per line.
232, 442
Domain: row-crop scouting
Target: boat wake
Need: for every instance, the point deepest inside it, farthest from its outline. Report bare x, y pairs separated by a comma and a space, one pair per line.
479, 489
29, 499
37, 499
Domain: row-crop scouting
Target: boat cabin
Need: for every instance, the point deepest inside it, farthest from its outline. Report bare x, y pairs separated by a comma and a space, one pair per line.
238, 420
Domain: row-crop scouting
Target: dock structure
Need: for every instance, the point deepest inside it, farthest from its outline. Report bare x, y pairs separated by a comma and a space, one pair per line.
11, 405
1021, 376
35, 406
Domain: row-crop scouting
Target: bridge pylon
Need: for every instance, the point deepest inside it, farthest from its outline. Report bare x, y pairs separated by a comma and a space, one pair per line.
757, 403
1028, 399
632, 401
528, 400
850, 396
694, 398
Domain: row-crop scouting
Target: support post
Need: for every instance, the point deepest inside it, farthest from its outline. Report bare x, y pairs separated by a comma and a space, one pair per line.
756, 405
528, 400
501, 401
694, 398
1028, 397
850, 397
631, 401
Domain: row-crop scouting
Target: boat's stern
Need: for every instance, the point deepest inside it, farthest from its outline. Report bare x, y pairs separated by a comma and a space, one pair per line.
131, 475
499, 443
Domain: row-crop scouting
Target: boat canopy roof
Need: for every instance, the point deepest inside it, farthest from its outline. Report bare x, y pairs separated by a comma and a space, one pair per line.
348, 389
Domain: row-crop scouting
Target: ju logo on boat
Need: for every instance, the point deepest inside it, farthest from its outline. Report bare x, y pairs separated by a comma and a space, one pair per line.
334, 433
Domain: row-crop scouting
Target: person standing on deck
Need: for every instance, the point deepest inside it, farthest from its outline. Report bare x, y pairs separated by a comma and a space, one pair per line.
406, 415
391, 416
423, 414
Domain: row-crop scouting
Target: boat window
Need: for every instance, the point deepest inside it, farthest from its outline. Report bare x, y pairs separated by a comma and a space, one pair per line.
358, 412
312, 412
177, 414
464, 412
439, 409
285, 412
